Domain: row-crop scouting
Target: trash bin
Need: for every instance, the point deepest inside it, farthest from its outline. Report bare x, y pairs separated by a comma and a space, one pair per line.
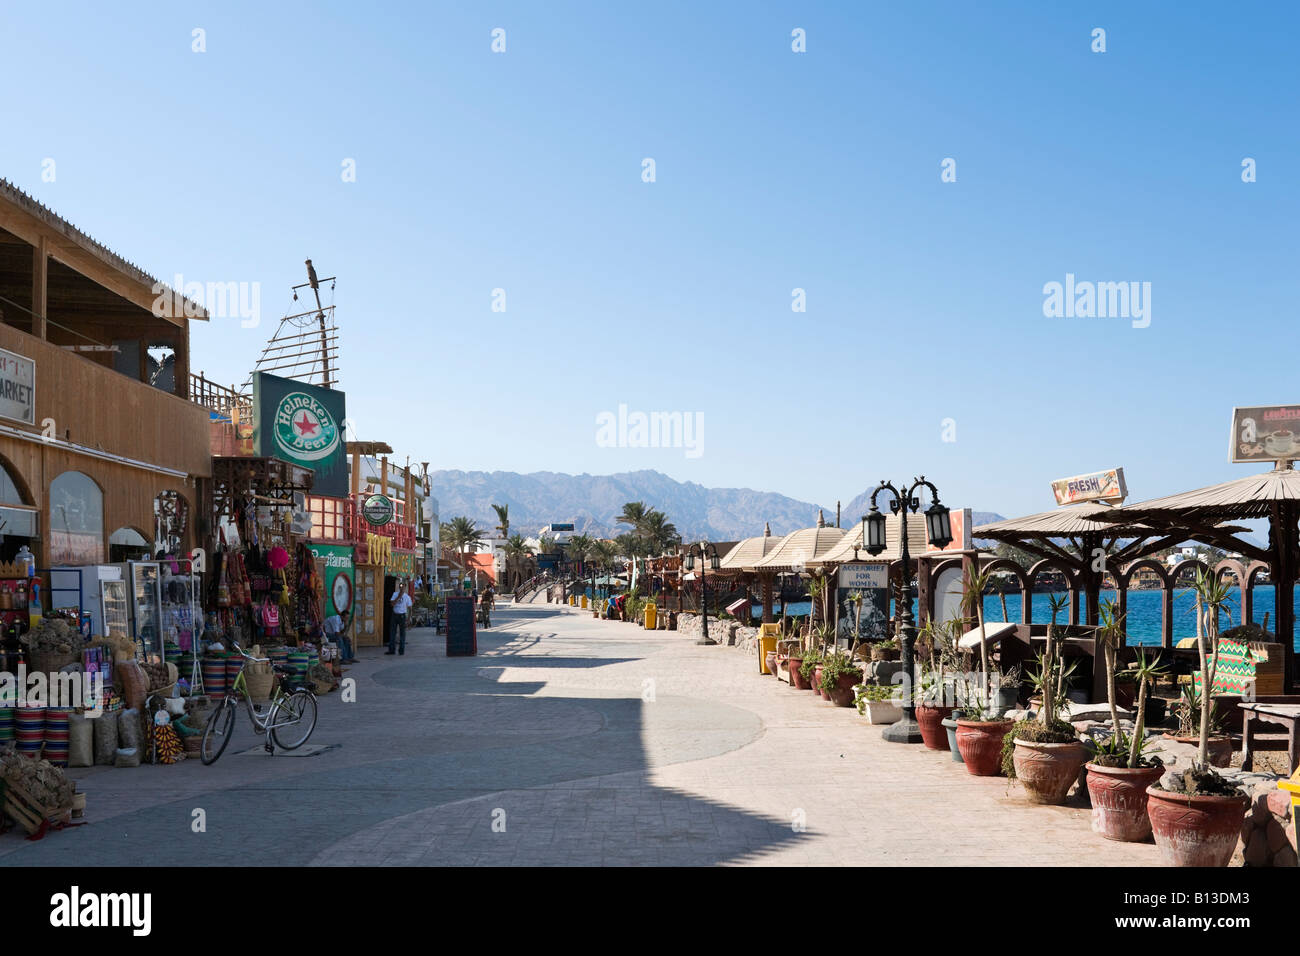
651, 613
584, 602
767, 638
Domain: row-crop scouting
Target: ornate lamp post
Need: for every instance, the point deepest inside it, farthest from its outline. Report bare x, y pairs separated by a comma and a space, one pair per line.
704, 550
938, 528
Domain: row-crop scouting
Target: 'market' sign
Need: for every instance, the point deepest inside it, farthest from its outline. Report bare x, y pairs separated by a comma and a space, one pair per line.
302, 424
17, 388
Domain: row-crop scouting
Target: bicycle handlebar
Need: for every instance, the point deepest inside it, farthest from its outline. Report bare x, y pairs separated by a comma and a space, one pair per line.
247, 656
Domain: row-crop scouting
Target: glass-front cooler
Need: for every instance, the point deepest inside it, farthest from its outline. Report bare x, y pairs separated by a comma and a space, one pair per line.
182, 617
145, 594
114, 608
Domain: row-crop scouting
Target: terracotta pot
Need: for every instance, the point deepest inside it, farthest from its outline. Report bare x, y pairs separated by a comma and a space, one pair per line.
930, 720
841, 695
1220, 748
770, 660
817, 683
980, 743
885, 653
1048, 771
1119, 801
797, 680
1195, 831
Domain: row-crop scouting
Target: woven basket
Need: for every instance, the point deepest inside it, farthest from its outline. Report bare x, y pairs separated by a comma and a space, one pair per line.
260, 681
50, 662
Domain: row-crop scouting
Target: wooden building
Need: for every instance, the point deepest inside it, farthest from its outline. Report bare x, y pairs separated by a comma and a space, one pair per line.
100, 447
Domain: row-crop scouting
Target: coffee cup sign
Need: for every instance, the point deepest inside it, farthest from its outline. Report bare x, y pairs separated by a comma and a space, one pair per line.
1265, 433
378, 510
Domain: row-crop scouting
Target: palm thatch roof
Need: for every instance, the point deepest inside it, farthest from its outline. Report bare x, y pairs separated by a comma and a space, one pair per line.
798, 548
916, 543
746, 553
1062, 522
1250, 497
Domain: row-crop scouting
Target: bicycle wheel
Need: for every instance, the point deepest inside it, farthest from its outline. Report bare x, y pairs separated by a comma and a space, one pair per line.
295, 720
217, 732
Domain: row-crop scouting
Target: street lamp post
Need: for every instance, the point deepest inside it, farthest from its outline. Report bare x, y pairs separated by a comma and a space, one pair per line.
704, 550
939, 533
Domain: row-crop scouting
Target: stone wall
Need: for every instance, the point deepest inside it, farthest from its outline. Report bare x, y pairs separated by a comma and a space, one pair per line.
730, 633
1268, 832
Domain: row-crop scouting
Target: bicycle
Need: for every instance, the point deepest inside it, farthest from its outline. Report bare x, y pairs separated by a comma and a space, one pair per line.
285, 709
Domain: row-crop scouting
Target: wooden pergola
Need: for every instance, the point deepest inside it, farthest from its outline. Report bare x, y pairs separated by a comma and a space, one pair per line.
1200, 514
1069, 539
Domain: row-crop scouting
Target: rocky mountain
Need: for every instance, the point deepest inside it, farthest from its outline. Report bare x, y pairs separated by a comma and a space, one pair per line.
592, 502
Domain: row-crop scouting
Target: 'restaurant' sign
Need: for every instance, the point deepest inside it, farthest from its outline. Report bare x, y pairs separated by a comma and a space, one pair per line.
1095, 486
1265, 433
17, 388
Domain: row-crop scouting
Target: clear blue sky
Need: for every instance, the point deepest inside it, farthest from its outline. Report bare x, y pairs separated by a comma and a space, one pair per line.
775, 170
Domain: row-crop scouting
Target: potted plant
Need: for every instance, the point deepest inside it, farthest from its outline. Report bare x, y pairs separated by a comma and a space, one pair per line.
802, 676
980, 730
1007, 696
1046, 753
839, 676
932, 708
1196, 815
886, 650
1119, 773
878, 703
1188, 713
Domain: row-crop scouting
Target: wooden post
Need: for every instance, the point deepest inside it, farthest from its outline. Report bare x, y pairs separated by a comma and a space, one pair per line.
766, 578
40, 283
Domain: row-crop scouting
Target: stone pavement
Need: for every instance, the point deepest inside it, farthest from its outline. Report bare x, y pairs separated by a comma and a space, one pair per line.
571, 741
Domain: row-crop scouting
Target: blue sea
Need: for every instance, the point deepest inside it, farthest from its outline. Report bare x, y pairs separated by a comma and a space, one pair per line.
1143, 611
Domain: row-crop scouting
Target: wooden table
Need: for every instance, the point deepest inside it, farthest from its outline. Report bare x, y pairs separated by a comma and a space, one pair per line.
1288, 715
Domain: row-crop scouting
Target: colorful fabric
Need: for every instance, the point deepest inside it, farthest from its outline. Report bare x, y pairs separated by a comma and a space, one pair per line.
1234, 672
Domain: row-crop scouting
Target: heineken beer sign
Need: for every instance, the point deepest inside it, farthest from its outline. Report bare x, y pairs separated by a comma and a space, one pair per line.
378, 510
302, 424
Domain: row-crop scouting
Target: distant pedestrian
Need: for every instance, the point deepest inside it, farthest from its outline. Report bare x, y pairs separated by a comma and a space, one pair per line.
401, 604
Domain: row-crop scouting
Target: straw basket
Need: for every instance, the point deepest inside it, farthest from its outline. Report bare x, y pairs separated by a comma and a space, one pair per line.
260, 681
50, 662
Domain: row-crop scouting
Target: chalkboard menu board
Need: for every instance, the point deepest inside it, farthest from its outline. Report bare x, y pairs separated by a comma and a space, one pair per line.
462, 638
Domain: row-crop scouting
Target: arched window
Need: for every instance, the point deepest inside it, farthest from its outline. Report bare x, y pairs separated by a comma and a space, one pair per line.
171, 518
76, 520
18, 519
127, 544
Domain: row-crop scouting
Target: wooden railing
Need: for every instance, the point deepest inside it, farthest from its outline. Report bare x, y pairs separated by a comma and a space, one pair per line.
224, 400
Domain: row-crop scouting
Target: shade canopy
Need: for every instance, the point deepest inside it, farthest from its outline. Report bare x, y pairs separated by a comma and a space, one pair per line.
1064, 522
843, 551
800, 548
747, 553
1253, 496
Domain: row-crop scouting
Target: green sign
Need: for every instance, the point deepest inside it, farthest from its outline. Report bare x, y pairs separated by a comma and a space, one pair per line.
303, 424
378, 510
339, 577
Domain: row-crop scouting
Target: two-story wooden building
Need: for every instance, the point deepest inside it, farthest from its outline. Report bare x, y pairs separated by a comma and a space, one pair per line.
100, 446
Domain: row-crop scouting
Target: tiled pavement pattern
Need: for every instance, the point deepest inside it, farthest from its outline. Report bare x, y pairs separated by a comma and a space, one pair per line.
572, 741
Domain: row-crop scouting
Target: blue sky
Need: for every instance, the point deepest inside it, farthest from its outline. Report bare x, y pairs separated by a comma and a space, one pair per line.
774, 171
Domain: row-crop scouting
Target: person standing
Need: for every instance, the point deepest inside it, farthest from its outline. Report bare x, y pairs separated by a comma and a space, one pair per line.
401, 604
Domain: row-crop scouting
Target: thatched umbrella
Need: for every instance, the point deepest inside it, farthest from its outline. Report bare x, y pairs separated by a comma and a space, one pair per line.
741, 559
797, 549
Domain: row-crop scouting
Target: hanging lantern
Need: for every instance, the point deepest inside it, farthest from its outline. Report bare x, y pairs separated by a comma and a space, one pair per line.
938, 525
873, 531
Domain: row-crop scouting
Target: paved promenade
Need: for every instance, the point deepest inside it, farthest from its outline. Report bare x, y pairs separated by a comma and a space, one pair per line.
571, 741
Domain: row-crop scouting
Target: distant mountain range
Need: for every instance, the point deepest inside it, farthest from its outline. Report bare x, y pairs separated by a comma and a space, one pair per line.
593, 502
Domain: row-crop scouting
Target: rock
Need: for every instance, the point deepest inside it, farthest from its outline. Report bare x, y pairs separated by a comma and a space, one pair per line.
1285, 856
1276, 837
1256, 852
1279, 803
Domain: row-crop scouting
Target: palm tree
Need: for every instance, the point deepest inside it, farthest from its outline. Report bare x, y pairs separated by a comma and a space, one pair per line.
579, 547
463, 538
634, 514
659, 533
516, 550
503, 519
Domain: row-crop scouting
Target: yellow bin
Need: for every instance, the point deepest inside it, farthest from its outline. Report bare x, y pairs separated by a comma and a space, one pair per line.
584, 601
651, 615
1292, 786
767, 638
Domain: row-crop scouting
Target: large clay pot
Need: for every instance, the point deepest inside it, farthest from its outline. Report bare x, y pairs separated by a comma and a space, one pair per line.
797, 680
817, 683
1048, 771
1119, 801
1195, 831
930, 720
980, 743
885, 653
1220, 748
770, 660
841, 695
950, 727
